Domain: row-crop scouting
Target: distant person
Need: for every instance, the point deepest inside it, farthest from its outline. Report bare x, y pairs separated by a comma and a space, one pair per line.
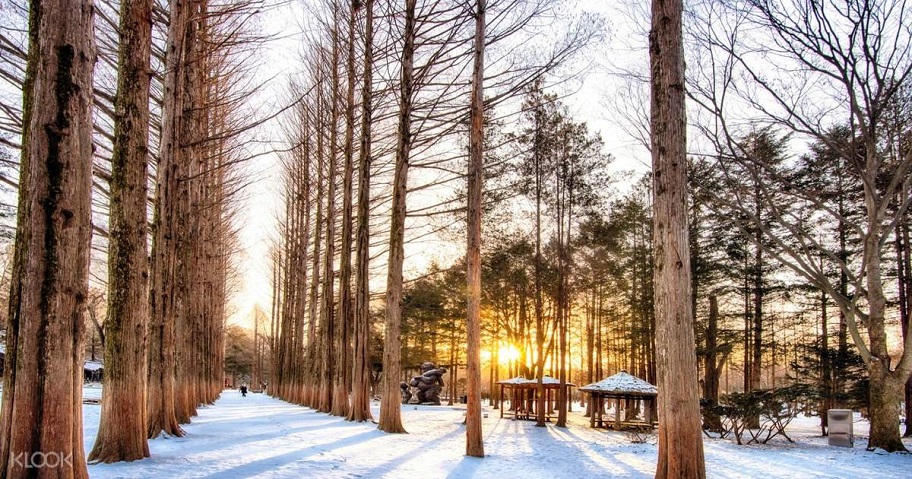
244, 390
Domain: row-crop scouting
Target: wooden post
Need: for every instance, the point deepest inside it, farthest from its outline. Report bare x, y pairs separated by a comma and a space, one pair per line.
500, 400
591, 402
617, 413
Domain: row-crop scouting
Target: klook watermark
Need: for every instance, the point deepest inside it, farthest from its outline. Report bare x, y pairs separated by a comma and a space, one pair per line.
41, 460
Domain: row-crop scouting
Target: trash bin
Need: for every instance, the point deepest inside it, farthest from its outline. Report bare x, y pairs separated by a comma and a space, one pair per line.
464, 399
840, 427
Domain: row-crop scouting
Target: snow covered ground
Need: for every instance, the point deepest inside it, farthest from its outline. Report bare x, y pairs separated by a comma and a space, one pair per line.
258, 436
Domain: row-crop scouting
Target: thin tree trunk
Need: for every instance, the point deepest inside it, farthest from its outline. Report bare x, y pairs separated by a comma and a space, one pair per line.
757, 290
331, 369
680, 437
539, 314
343, 384
361, 379
122, 432
474, 442
311, 396
390, 407
826, 402
711, 366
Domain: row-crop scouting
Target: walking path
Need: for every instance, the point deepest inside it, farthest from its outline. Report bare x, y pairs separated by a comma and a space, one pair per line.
258, 436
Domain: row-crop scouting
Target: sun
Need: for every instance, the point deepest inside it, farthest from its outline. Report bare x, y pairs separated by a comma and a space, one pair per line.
506, 354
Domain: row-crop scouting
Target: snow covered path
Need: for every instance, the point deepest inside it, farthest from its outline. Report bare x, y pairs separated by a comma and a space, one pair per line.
258, 436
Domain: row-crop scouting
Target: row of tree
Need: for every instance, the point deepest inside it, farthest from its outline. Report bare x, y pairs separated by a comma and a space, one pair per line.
89, 152
390, 94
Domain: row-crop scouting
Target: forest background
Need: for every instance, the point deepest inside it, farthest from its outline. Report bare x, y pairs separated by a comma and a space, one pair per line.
795, 196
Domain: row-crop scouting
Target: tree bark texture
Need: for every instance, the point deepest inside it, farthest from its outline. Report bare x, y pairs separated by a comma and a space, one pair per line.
42, 400
390, 405
121, 431
327, 312
164, 289
474, 441
361, 373
343, 384
680, 437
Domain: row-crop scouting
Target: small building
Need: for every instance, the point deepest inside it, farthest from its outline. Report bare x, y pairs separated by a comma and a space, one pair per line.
523, 397
630, 394
92, 371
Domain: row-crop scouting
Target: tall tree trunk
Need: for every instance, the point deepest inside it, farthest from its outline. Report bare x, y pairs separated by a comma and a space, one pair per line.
303, 216
886, 384
474, 442
748, 370
390, 407
843, 335
331, 370
273, 324
311, 396
539, 313
590, 342
757, 290
42, 393
122, 432
680, 438
343, 384
360, 409
164, 287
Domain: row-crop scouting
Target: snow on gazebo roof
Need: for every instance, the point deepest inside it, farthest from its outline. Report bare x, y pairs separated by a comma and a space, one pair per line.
622, 382
548, 380
92, 365
516, 380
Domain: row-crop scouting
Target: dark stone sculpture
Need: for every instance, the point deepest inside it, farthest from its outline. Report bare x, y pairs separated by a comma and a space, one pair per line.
406, 393
429, 383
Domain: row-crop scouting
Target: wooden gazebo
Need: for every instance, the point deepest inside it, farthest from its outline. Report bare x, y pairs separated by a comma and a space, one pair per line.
522, 394
629, 393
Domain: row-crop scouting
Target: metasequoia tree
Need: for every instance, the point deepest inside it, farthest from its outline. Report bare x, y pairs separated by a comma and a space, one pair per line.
121, 431
311, 397
164, 289
856, 56
474, 442
292, 269
342, 387
360, 401
192, 234
42, 399
390, 409
435, 112
680, 436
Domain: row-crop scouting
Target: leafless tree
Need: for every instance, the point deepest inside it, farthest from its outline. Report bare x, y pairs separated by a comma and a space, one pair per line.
122, 432
807, 68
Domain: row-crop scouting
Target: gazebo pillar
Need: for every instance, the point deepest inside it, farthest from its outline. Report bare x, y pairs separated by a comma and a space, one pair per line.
500, 399
591, 410
617, 412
